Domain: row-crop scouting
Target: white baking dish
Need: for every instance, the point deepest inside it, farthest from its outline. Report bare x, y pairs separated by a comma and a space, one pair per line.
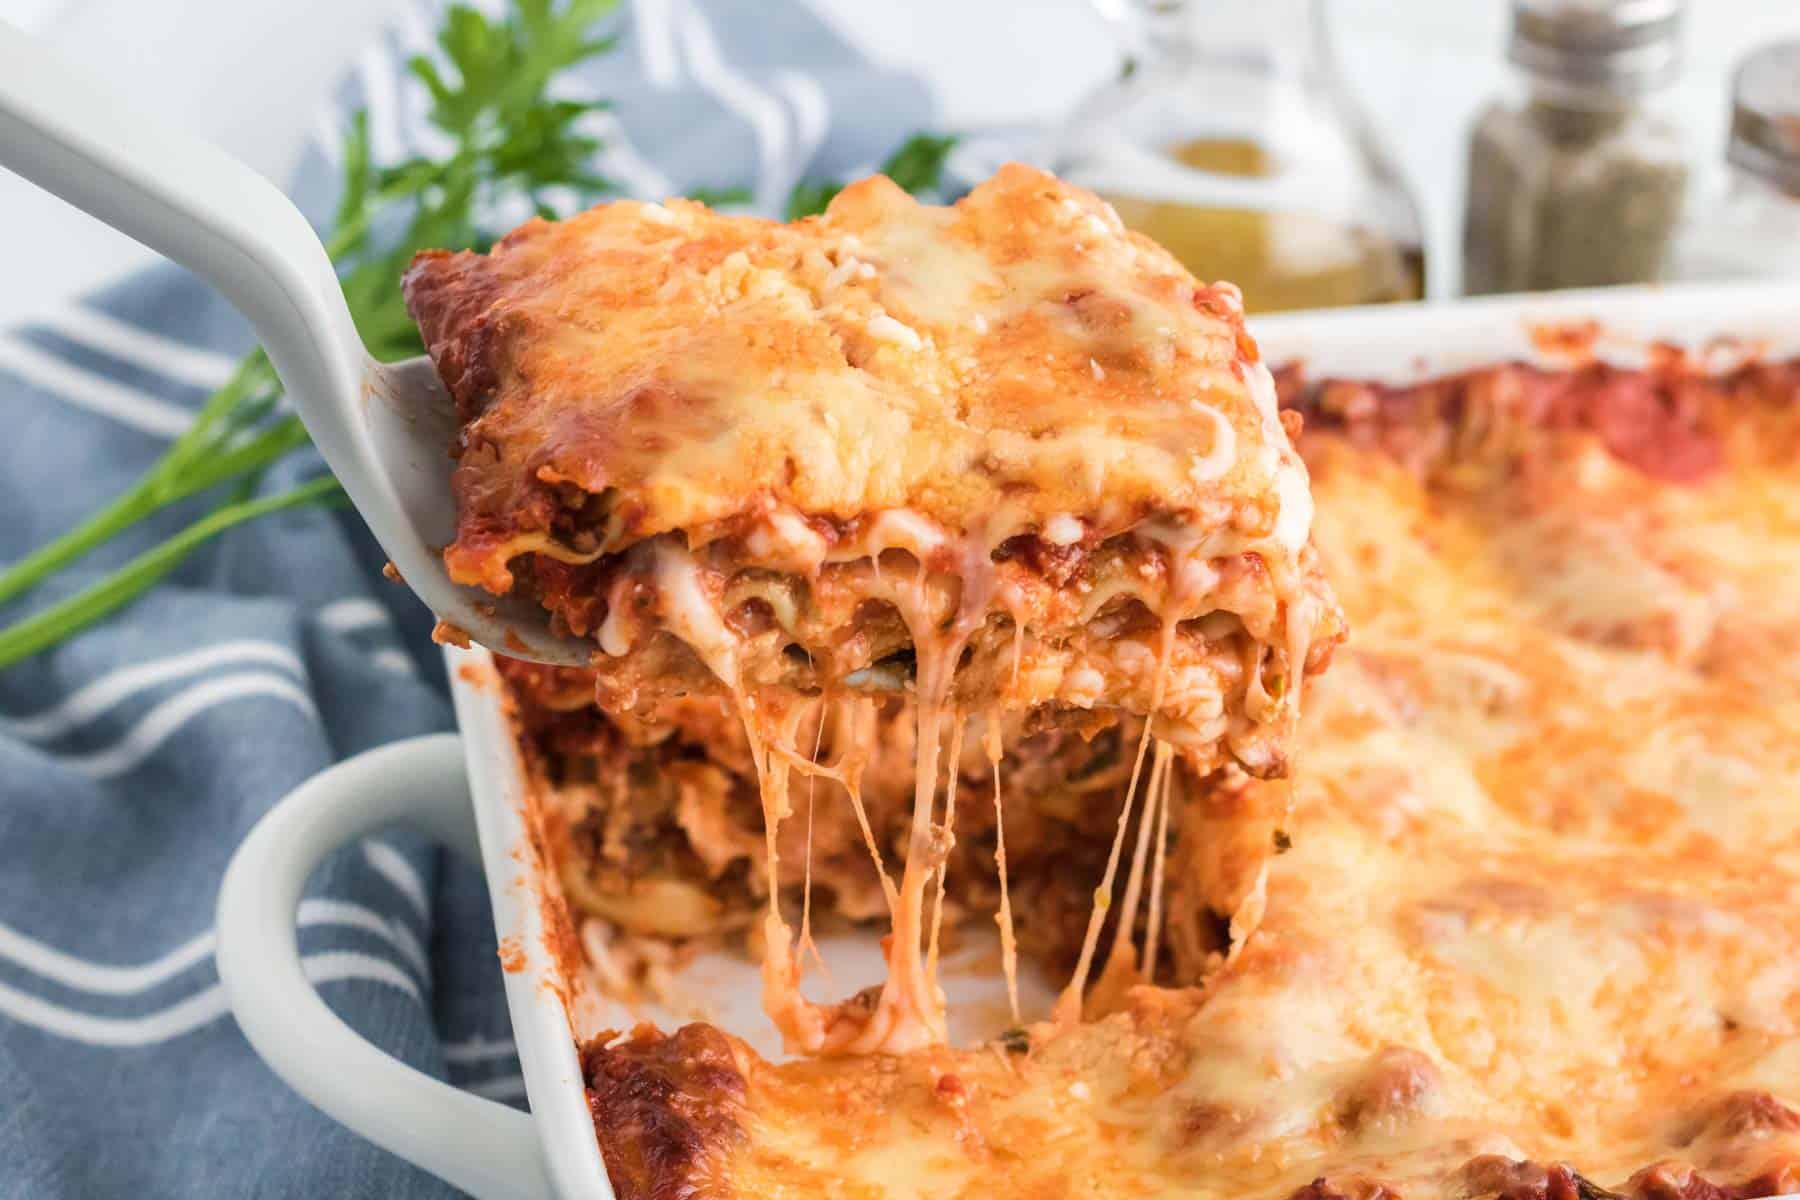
467, 792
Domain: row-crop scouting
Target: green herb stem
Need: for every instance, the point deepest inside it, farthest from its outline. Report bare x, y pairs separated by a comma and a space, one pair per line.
46, 628
199, 459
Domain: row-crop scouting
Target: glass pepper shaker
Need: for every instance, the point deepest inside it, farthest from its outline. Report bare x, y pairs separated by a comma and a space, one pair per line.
1751, 230
1232, 140
1577, 178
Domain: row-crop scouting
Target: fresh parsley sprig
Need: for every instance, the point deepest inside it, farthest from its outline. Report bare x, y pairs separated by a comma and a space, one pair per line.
512, 144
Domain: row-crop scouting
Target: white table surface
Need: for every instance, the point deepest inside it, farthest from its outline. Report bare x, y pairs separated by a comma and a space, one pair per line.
252, 75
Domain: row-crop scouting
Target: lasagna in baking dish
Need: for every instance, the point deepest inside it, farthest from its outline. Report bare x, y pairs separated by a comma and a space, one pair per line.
953, 567
1527, 930
994, 469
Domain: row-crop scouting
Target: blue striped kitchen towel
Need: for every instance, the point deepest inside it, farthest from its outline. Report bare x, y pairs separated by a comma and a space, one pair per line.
135, 757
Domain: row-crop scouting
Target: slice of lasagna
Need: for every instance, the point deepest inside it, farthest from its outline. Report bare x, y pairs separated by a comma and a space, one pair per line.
1002, 457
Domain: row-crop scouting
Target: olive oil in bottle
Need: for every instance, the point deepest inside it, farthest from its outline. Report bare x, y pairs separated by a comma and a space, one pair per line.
1231, 140
1280, 259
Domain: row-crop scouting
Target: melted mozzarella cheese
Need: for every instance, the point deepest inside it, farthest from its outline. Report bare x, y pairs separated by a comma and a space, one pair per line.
690, 614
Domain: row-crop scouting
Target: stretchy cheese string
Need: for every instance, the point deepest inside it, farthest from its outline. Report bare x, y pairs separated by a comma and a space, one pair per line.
899, 1022
850, 780
759, 757
812, 782
801, 1023
948, 840
1153, 925
909, 1011
690, 612
1119, 957
1009, 942
910, 990
1068, 1005
888, 891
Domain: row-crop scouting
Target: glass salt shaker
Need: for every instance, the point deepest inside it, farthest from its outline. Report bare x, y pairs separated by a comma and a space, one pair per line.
1751, 229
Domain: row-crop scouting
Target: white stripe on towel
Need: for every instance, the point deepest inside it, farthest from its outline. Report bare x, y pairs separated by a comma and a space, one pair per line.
351, 614
395, 662
97, 696
195, 1012
159, 724
328, 137
80, 974
812, 113
655, 42
139, 346
478, 1049
762, 112
392, 866
504, 1088
621, 161
95, 393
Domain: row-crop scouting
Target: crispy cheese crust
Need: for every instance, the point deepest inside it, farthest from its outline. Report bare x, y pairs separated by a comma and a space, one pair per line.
1008, 434
1533, 934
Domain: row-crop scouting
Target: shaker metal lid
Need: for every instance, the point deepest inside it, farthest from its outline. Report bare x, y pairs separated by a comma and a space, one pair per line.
1765, 115
1622, 45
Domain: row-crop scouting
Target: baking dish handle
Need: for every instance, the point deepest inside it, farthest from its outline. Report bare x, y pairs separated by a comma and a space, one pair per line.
488, 1149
